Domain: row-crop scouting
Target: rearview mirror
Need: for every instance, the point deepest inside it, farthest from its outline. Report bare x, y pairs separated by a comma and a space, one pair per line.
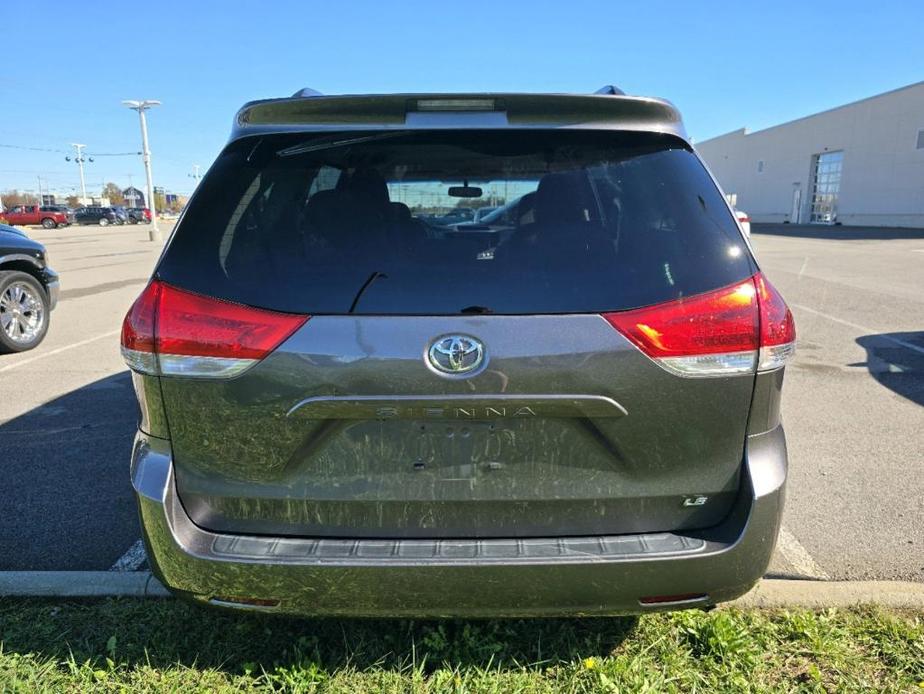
465, 191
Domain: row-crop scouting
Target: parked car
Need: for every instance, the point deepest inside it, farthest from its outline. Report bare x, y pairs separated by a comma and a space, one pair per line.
456, 215
67, 211
97, 215
28, 291
49, 217
121, 213
372, 416
744, 221
138, 215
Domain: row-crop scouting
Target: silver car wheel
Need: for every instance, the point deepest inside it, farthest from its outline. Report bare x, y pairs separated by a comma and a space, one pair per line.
22, 313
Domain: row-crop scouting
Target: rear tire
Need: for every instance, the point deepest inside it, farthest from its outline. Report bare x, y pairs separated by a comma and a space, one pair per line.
132, 220
49, 223
103, 222
23, 312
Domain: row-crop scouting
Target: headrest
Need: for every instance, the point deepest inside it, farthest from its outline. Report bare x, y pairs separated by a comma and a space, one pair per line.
367, 185
400, 212
564, 198
321, 206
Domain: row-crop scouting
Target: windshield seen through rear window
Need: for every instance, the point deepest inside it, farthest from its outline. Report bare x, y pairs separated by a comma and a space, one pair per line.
389, 223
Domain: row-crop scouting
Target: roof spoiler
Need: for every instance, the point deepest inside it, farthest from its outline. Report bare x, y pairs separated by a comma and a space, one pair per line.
309, 111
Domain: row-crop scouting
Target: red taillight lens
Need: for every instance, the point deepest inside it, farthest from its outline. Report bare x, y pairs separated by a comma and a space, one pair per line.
777, 327
195, 325
193, 335
717, 333
664, 599
703, 335
138, 330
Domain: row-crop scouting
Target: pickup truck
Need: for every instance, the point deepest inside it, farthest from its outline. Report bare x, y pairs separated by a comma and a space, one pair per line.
49, 216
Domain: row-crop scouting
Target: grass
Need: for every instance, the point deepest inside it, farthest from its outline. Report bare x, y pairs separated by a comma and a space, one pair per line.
168, 645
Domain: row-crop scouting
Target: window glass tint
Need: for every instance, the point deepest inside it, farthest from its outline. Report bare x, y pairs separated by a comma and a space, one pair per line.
385, 224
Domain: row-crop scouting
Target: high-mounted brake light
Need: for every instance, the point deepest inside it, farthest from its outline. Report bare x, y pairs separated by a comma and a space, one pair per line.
172, 332
455, 104
732, 330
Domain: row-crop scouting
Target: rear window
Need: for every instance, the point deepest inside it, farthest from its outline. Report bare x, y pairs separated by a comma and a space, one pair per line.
384, 223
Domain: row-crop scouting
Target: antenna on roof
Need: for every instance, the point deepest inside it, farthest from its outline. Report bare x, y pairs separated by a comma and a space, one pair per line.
610, 90
307, 91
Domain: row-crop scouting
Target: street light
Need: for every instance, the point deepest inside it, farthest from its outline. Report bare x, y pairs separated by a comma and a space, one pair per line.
80, 159
141, 107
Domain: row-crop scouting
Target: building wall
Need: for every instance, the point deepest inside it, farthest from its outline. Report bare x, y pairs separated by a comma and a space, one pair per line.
882, 178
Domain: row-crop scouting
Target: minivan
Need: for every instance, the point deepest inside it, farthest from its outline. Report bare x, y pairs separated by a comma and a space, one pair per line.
350, 408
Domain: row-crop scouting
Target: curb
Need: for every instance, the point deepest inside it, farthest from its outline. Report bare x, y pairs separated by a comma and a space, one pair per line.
80, 584
779, 593
769, 593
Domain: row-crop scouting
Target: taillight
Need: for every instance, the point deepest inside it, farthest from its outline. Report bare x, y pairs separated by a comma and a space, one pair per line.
172, 332
138, 331
777, 328
727, 331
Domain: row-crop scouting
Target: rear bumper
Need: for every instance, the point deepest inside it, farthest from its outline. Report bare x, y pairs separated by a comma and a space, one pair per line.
464, 578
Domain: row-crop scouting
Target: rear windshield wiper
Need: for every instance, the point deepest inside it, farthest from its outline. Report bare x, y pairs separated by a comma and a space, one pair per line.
362, 290
331, 143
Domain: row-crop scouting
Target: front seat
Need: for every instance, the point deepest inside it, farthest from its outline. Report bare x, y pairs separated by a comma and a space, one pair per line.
567, 227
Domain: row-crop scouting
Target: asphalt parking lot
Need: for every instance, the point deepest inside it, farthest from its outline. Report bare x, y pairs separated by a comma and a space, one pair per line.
853, 407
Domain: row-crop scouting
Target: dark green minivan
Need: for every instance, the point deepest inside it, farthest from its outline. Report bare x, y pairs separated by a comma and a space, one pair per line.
358, 400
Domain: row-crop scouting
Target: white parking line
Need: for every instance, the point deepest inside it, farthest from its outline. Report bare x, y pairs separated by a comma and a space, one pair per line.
798, 557
16, 365
862, 328
132, 559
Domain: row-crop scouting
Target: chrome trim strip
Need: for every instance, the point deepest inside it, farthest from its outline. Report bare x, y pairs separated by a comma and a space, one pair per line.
482, 406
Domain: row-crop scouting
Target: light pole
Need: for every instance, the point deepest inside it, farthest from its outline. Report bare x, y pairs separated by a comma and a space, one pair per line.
78, 157
195, 175
141, 107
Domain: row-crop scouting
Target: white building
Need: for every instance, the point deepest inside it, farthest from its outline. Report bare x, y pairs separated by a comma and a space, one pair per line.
858, 164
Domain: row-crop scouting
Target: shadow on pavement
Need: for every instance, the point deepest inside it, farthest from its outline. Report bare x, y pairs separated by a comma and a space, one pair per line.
839, 233
164, 633
65, 500
896, 366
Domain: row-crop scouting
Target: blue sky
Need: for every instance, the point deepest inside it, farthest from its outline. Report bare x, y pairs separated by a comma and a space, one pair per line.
725, 64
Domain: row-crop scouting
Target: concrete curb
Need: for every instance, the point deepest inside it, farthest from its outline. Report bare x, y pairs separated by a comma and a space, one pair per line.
769, 593
780, 593
80, 584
